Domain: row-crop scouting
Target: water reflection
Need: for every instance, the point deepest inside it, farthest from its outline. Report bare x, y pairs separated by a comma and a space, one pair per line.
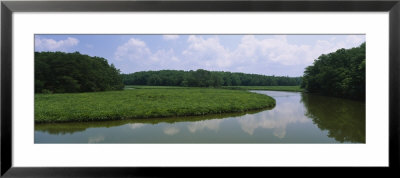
343, 119
97, 139
286, 112
296, 118
136, 125
171, 130
201, 125
196, 123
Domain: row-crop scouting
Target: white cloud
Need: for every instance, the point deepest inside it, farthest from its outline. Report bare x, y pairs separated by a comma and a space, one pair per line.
141, 57
275, 55
276, 49
170, 37
210, 54
134, 49
207, 53
251, 53
164, 56
47, 44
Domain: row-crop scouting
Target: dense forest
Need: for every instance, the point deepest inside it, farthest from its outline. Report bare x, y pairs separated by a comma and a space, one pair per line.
59, 72
204, 78
340, 74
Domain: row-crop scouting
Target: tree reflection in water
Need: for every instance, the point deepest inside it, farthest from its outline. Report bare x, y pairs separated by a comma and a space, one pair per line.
340, 117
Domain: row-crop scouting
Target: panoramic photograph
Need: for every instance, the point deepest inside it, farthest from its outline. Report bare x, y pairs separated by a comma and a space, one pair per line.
199, 88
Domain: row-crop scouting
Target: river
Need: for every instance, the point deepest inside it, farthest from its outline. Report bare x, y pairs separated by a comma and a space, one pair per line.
296, 118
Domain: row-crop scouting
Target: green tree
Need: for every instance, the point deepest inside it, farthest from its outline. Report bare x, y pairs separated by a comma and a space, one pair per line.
61, 72
204, 78
341, 73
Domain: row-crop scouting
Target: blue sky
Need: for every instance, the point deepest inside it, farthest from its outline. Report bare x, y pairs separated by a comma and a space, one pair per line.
280, 55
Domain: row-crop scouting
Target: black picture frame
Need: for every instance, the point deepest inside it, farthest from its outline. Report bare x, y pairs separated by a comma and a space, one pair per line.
8, 7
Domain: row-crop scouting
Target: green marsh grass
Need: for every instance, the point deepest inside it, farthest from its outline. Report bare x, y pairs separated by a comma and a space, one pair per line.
145, 103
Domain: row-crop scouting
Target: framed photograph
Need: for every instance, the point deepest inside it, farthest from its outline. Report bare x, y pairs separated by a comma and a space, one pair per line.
113, 88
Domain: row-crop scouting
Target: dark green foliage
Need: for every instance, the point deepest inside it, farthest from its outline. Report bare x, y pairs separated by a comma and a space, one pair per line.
340, 74
58, 72
204, 78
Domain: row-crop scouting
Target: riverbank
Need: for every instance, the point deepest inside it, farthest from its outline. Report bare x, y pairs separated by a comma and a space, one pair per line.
145, 103
271, 88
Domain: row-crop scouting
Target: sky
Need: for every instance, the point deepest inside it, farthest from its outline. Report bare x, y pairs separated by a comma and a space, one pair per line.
279, 55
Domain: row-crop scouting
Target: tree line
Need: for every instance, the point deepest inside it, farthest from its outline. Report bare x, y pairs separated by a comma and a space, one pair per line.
59, 72
340, 74
204, 78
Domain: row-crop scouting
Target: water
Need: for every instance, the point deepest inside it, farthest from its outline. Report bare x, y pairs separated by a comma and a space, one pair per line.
296, 118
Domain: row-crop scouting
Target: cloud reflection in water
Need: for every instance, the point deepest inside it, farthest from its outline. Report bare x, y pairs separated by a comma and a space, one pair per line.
201, 125
277, 119
96, 139
136, 125
171, 130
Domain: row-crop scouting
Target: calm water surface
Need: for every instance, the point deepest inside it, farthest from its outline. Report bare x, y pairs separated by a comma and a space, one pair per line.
296, 118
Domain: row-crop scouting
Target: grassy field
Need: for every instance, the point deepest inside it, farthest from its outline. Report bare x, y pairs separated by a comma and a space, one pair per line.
145, 103
274, 88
